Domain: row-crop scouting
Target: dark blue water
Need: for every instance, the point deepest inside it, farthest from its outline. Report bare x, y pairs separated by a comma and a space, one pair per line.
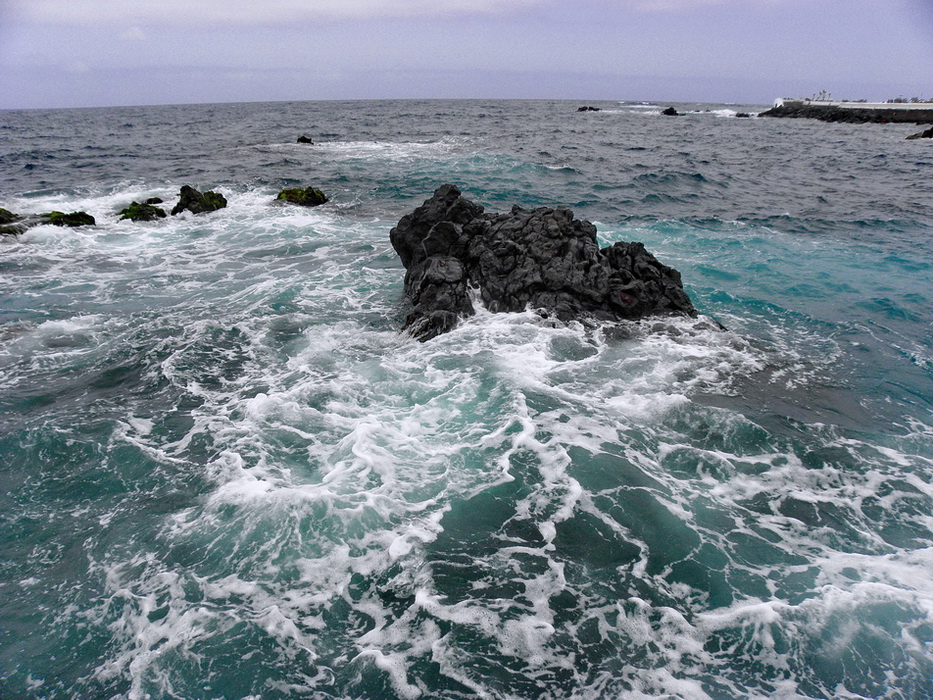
224, 473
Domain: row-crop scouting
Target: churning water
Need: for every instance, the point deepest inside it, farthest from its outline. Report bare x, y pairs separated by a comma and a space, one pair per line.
226, 474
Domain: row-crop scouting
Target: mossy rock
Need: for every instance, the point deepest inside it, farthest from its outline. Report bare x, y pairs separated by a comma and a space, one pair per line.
306, 197
75, 218
143, 212
198, 202
8, 217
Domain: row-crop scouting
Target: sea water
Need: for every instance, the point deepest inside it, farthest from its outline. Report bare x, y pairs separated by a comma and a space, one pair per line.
226, 474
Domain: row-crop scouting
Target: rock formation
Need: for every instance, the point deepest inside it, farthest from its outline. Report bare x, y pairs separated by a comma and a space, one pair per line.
13, 224
305, 139
528, 258
197, 202
6, 219
75, 218
145, 211
670, 112
925, 134
306, 197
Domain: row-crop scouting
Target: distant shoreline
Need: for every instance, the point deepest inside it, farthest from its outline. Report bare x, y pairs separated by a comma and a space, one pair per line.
853, 112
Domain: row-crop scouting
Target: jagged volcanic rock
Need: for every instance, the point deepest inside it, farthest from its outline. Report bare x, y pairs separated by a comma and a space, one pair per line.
539, 258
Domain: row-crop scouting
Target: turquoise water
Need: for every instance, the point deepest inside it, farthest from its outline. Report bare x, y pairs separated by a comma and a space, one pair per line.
226, 474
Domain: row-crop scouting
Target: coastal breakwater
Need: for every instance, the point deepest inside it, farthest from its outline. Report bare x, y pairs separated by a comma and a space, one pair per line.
853, 112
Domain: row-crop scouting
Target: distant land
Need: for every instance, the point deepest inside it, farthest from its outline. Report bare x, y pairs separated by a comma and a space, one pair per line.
853, 111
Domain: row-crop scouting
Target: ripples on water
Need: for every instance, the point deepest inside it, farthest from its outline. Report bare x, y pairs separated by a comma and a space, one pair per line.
226, 474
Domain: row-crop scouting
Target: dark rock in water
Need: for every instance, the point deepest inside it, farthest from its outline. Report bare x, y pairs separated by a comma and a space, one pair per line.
75, 218
12, 225
8, 217
927, 134
197, 202
671, 112
305, 139
529, 258
146, 211
742, 115
587, 108
306, 197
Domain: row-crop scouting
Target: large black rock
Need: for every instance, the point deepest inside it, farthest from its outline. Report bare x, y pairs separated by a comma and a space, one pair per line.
528, 258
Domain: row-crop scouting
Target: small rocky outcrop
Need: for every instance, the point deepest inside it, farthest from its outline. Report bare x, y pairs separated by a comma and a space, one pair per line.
12, 224
670, 112
306, 197
742, 115
198, 202
305, 139
6, 219
927, 134
143, 211
587, 108
75, 218
542, 259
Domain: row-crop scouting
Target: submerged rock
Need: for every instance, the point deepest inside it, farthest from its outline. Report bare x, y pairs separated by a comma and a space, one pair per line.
198, 202
528, 258
305, 139
306, 197
671, 112
927, 134
587, 108
145, 211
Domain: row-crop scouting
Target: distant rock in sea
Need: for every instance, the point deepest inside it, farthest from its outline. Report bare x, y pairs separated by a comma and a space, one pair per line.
670, 112
74, 219
587, 108
927, 134
197, 202
542, 259
306, 197
13, 224
305, 139
145, 211
6, 219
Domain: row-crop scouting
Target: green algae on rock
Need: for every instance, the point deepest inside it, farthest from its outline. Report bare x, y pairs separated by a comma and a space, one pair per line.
75, 218
145, 211
306, 197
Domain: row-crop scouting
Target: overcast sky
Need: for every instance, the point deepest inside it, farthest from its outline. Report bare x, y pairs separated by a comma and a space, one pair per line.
76, 53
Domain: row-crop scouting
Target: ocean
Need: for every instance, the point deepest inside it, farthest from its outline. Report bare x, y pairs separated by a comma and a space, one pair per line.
226, 473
